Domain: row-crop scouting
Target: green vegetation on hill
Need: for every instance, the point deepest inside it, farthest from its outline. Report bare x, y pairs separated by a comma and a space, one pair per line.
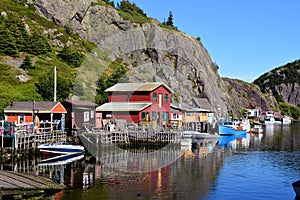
27, 36
289, 73
286, 74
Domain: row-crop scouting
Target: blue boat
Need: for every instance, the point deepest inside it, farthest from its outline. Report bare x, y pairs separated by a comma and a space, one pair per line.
229, 128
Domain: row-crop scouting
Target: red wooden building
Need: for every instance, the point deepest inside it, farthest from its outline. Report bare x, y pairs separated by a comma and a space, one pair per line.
25, 112
138, 103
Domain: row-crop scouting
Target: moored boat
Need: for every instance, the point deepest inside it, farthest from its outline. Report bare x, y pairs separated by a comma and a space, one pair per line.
60, 148
286, 120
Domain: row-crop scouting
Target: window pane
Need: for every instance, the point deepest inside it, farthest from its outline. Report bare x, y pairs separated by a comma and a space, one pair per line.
166, 98
153, 116
143, 116
154, 97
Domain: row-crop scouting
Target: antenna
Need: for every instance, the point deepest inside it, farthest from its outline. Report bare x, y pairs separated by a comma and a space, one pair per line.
54, 83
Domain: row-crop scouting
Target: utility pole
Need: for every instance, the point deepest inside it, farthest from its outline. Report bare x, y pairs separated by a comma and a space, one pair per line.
54, 83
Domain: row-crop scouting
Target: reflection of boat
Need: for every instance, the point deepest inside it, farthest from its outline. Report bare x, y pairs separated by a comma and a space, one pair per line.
257, 128
61, 159
198, 135
296, 186
60, 148
225, 140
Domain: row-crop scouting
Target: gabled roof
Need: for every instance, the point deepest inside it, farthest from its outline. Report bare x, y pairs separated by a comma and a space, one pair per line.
123, 106
187, 108
80, 103
132, 87
42, 107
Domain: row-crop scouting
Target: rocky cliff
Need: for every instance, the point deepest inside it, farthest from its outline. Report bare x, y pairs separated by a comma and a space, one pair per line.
282, 82
241, 94
153, 53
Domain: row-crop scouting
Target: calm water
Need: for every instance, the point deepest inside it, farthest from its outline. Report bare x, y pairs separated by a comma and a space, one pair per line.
254, 167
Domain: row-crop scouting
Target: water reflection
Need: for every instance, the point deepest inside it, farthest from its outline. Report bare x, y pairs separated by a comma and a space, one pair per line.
208, 172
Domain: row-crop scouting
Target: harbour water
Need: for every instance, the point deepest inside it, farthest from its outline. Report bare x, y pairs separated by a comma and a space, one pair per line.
254, 167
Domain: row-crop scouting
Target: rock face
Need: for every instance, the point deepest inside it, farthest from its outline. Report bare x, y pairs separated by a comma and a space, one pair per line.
283, 83
153, 53
241, 94
290, 93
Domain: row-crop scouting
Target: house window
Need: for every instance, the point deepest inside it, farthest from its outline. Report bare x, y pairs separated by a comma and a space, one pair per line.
165, 116
154, 97
175, 116
153, 116
21, 119
86, 116
92, 114
145, 116
166, 98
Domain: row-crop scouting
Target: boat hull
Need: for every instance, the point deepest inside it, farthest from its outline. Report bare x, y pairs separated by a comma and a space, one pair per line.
60, 149
225, 130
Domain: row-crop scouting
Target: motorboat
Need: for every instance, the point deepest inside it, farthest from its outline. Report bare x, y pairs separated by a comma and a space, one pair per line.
286, 120
60, 148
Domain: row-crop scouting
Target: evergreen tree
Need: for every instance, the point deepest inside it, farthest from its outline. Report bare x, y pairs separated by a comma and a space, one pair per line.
71, 56
170, 19
8, 44
27, 63
45, 87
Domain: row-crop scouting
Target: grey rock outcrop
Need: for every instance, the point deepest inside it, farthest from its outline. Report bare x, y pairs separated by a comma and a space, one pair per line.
153, 53
242, 94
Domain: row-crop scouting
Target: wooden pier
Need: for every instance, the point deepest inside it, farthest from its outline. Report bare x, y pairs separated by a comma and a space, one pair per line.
21, 142
20, 185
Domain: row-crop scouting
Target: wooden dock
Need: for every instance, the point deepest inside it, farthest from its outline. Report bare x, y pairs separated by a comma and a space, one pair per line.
21, 142
22, 185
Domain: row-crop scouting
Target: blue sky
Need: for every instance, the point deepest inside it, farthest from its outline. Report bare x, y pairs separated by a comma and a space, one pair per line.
246, 38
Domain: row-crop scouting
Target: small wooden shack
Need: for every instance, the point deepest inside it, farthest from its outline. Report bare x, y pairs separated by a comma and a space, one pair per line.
36, 115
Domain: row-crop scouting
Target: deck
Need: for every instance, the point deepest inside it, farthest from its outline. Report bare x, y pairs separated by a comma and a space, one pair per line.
15, 183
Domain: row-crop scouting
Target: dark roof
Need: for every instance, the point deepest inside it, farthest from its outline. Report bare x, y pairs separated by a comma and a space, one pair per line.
204, 106
27, 106
80, 103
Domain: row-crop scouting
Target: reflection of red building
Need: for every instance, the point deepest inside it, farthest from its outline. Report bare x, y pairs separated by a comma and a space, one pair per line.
138, 103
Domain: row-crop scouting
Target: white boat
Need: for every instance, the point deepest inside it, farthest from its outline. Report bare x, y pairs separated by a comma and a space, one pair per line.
257, 128
60, 148
269, 120
286, 120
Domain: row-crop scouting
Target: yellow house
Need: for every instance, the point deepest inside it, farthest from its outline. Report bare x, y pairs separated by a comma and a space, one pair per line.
191, 117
